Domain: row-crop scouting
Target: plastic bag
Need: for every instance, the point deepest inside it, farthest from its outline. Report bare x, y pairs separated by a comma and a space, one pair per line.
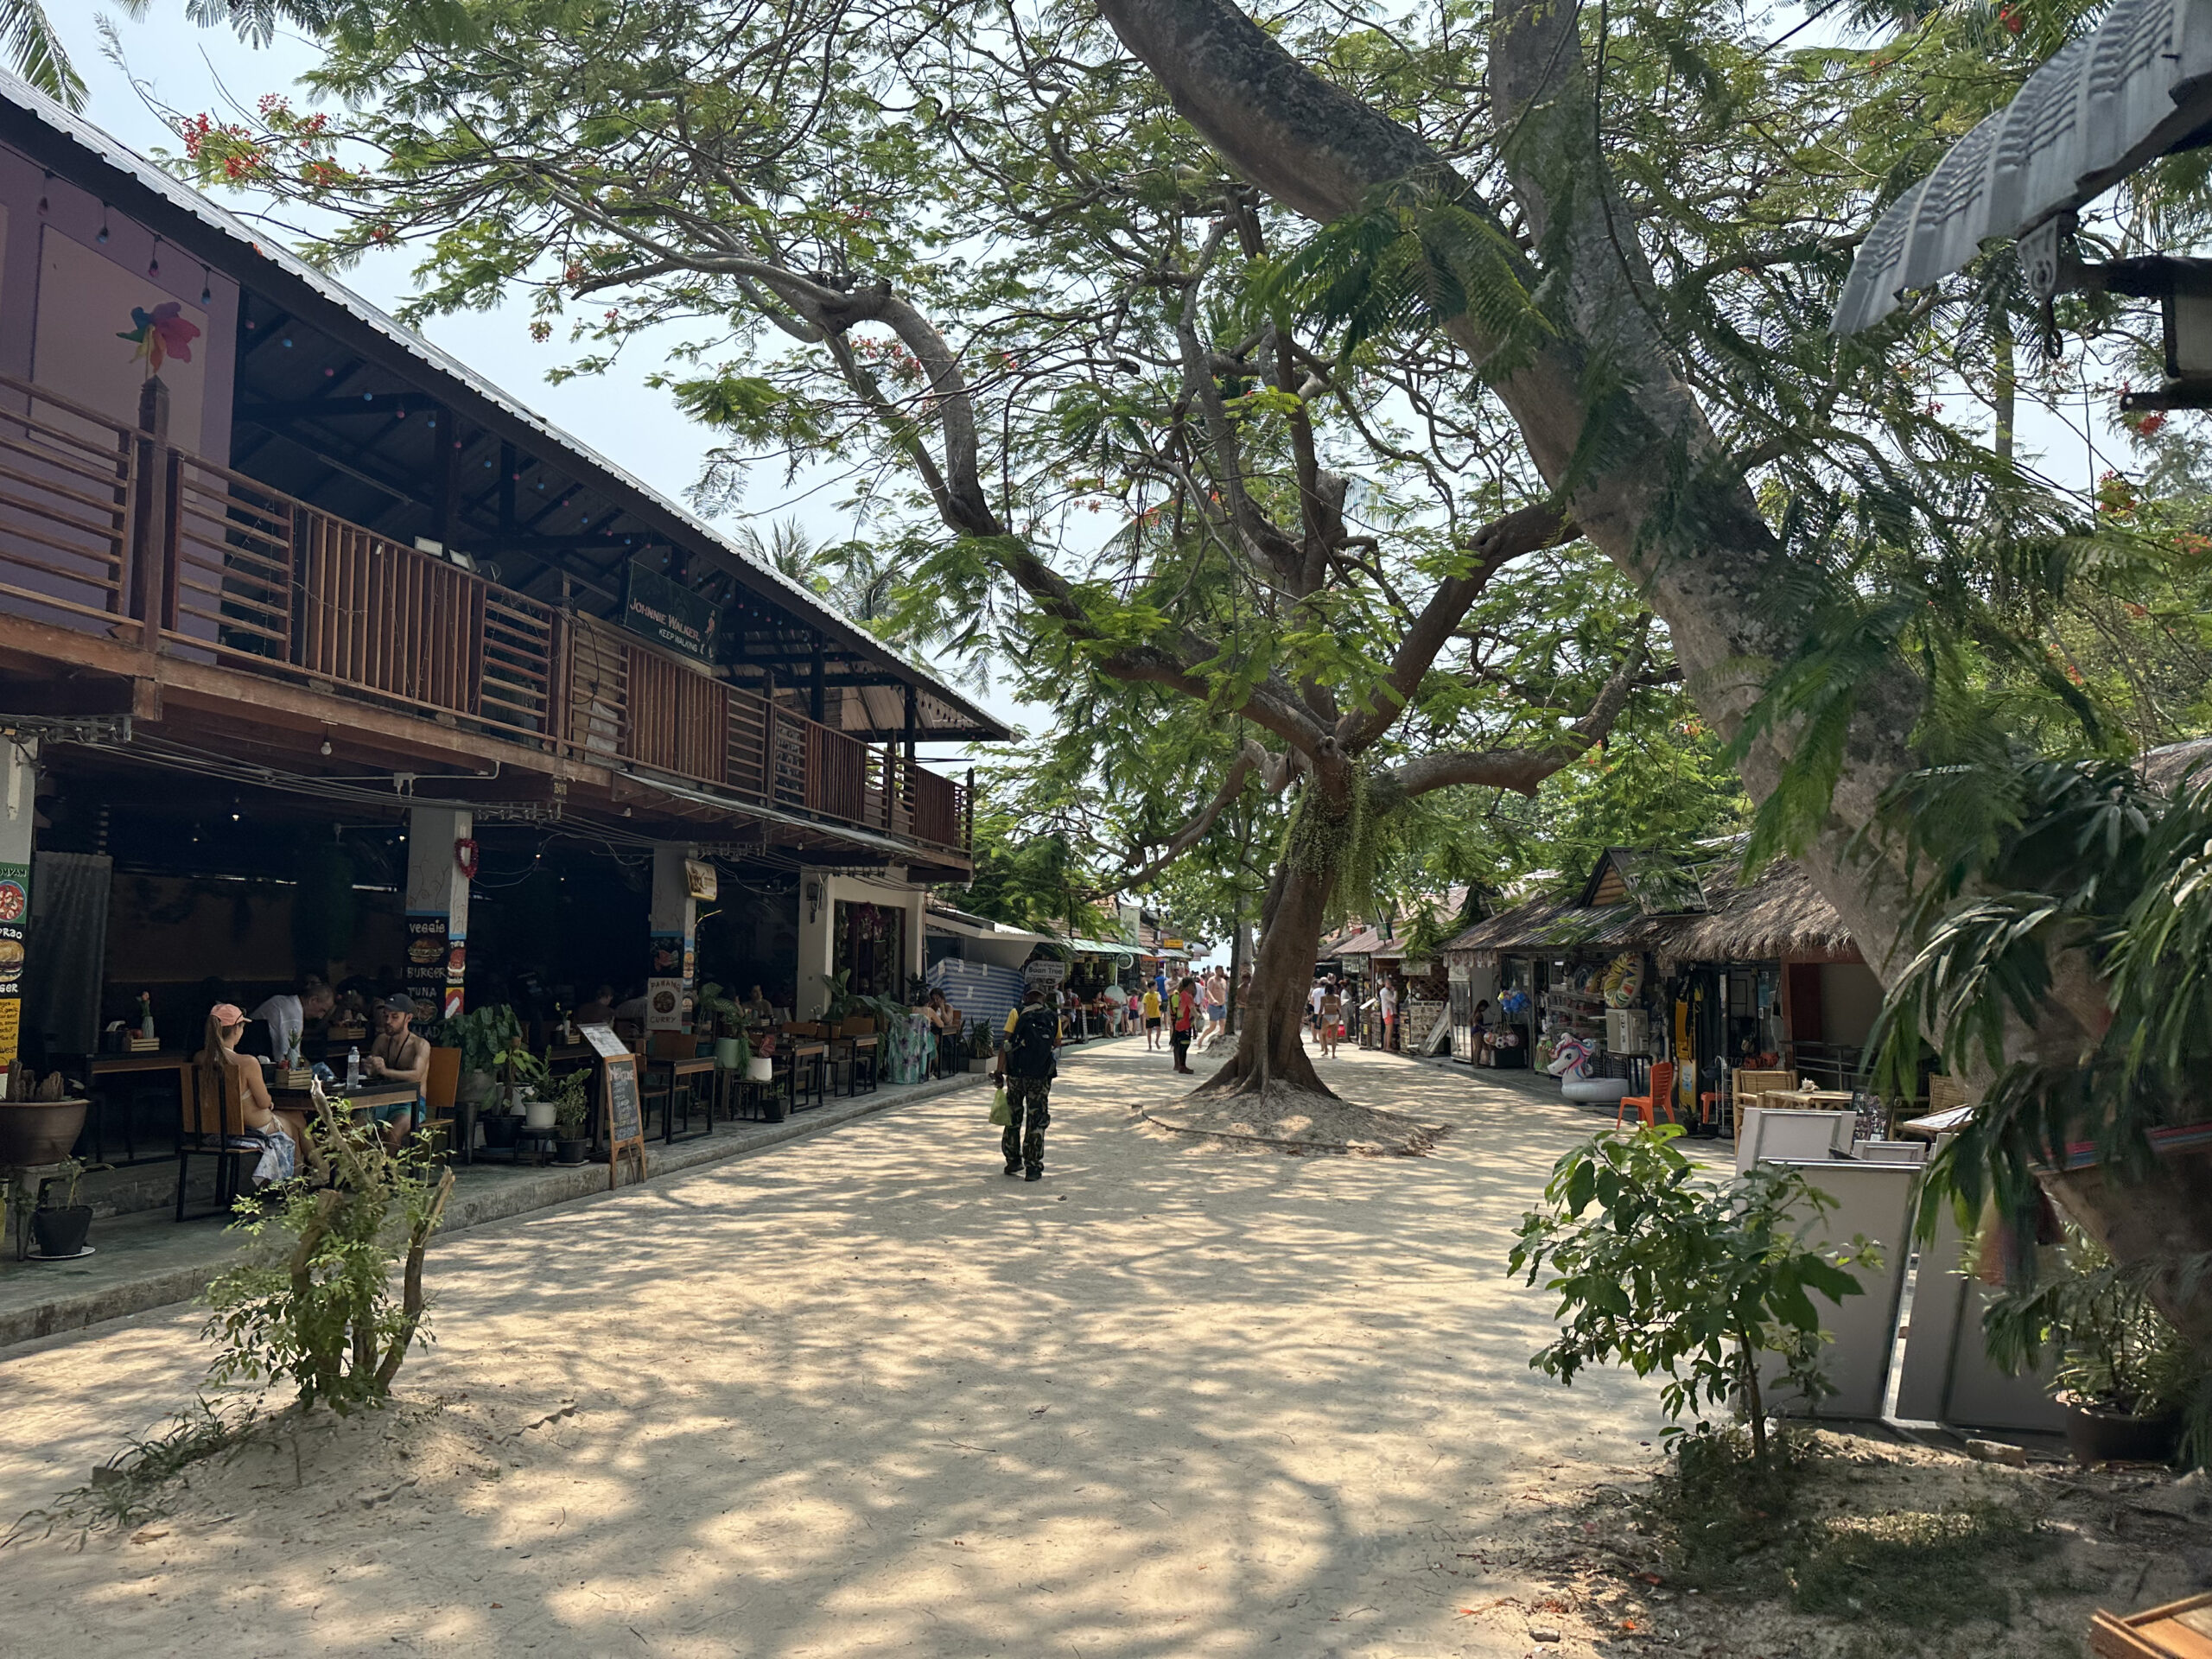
1001, 1114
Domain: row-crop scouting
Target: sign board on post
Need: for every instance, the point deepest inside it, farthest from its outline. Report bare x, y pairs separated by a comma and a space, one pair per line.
625, 1121
14, 921
669, 614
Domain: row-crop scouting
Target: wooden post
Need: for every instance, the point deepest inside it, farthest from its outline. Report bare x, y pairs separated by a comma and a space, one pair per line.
912, 701
150, 536
968, 840
817, 692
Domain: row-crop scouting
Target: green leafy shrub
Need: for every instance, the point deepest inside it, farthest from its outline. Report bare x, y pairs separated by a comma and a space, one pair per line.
323, 1314
1666, 1274
2116, 1351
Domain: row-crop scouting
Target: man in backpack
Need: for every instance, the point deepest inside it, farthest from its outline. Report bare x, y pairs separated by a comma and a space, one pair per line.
1027, 1065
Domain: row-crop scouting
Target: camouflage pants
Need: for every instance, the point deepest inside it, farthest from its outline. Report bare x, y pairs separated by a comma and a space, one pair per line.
1023, 1139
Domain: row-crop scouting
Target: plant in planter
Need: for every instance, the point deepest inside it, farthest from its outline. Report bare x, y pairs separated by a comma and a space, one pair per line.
2128, 1380
483, 1036
571, 1117
60, 1229
40, 1120
725, 1021
980, 1047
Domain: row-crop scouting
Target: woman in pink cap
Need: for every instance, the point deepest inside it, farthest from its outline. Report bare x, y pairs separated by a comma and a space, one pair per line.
279, 1155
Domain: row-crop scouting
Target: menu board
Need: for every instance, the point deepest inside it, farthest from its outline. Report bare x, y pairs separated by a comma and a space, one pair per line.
604, 1043
625, 1121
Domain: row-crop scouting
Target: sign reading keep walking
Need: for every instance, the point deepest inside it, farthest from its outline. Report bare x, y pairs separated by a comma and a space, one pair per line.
669, 614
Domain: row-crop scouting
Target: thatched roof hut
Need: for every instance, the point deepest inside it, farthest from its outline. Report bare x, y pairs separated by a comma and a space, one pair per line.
1776, 916
1680, 907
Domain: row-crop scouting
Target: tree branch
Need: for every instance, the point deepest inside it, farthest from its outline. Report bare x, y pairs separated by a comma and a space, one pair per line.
1523, 530
1249, 760
1523, 769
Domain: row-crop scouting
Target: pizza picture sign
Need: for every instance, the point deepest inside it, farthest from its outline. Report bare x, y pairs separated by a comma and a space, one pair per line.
13, 901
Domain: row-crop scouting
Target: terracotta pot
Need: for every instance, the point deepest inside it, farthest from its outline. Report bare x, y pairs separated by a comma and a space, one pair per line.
2096, 1434
39, 1131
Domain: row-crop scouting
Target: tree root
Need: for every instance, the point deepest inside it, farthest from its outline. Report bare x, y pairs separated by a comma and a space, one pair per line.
1309, 1122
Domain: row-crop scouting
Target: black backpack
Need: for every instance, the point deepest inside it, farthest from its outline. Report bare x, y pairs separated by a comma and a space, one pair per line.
1029, 1047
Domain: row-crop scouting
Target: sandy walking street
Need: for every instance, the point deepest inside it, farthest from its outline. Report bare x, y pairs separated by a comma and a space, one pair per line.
862, 1394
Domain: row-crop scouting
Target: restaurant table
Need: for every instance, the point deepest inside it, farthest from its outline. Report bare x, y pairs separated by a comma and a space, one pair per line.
175, 1061
813, 1053
671, 1078
367, 1098
861, 1049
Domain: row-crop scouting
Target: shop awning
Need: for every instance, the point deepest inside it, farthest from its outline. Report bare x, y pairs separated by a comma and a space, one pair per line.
937, 921
2136, 88
1099, 947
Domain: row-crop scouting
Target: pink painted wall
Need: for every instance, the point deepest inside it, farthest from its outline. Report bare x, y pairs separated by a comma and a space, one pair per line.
66, 295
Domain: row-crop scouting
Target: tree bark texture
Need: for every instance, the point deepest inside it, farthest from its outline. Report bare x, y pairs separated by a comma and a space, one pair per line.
1271, 1044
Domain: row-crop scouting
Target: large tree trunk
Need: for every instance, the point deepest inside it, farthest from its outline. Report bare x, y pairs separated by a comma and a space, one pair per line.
1271, 1047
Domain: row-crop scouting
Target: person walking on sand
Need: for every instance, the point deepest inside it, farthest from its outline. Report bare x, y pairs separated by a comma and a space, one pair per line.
1186, 1016
1332, 1019
1028, 1061
1151, 1019
1388, 996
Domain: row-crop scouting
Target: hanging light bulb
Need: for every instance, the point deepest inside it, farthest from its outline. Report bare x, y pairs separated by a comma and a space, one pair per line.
154, 263
208, 289
326, 746
102, 238
44, 185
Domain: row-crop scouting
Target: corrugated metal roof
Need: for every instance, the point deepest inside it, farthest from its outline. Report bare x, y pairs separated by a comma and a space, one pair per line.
2101, 107
120, 159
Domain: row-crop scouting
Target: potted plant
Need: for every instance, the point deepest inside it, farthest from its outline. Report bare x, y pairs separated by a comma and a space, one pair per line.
981, 1049
518, 1072
483, 1036
40, 1121
60, 1228
761, 1066
571, 1105
2124, 1374
726, 1020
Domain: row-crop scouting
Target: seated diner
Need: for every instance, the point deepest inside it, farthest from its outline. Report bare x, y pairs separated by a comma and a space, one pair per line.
226, 1023
398, 1055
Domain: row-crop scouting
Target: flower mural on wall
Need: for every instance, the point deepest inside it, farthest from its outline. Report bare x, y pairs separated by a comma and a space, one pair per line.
159, 335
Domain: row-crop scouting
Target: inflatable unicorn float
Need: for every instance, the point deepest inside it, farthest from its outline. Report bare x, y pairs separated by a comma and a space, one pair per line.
1570, 1059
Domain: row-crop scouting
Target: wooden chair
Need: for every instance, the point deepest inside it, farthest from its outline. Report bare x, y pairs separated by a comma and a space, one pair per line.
440, 1085
1746, 1084
214, 1126
1661, 1099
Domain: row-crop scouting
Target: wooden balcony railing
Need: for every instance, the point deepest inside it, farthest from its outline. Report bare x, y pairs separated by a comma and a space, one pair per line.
104, 526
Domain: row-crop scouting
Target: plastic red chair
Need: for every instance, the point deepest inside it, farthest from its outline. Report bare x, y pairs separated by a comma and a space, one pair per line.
1661, 1095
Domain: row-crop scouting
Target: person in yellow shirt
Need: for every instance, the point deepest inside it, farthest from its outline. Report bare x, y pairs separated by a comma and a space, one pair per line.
1151, 1018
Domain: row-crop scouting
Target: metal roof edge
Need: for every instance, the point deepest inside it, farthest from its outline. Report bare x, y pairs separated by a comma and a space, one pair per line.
117, 157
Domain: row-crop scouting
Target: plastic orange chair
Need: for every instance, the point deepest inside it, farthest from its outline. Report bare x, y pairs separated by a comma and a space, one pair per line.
1661, 1095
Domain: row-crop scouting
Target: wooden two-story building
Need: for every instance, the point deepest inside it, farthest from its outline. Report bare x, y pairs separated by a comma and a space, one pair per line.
321, 654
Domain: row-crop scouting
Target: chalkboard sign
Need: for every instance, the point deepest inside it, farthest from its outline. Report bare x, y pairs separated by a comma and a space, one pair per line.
626, 1123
